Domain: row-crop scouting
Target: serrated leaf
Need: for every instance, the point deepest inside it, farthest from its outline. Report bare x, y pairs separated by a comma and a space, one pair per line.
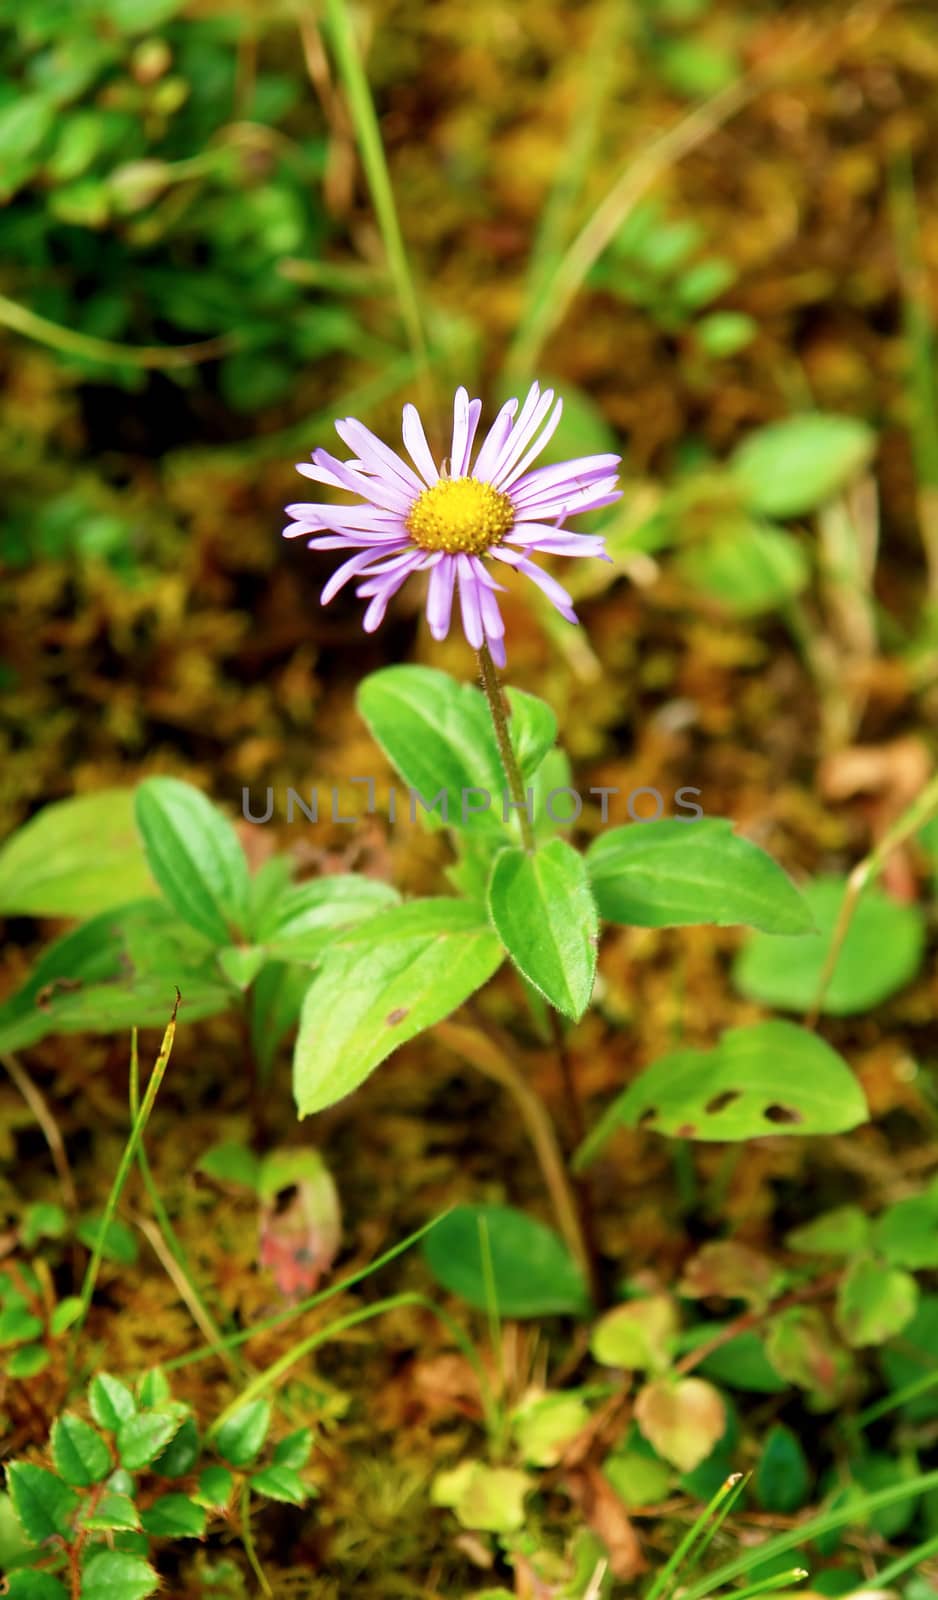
240, 1437
532, 1273
794, 466
141, 1438
43, 1504
769, 1078
543, 912
25, 1585
675, 874
181, 1453
280, 1483
195, 857
111, 1401
76, 858
215, 1487
112, 1575
174, 1516
683, 1420
80, 1454
112, 1513
874, 1302
294, 1450
382, 984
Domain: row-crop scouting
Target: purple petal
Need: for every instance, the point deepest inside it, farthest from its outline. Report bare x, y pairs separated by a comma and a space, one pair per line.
554, 591
469, 603
466, 414
560, 506
383, 592
376, 455
417, 448
497, 648
294, 529
521, 436
491, 616
492, 448
483, 575
575, 474
550, 428
385, 491
342, 574
347, 517
440, 597
556, 541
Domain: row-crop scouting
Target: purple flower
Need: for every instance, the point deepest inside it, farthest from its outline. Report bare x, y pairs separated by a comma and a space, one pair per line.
449, 523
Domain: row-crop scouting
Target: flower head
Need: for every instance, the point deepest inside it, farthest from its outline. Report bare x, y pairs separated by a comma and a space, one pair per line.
451, 522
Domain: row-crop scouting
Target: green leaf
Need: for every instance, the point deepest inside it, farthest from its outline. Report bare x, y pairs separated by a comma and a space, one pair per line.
724, 333
240, 1437
294, 1450
195, 857
44, 1220
874, 1302
489, 1499
28, 1361
749, 569
438, 735
881, 953
911, 1359
382, 984
153, 1388
543, 1424
637, 1335
769, 1078
18, 1325
174, 1516
112, 1575
35, 1586
120, 1241
907, 1232
111, 1401
280, 1483
182, 1452
66, 1314
276, 1002
113, 1513
532, 1273
215, 1487
241, 963
42, 1502
231, 1163
141, 1438
740, 1363
790, 467
783, 1477
301, 923
543, 912
80, 1454
532, 728
674, 874
841, 1232
75, 858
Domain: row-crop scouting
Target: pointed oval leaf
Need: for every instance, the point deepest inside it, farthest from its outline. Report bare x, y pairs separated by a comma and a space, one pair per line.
673, 874
881, 953
195, 857
301, 922
477, 1249
44, 1505
437, 734
771, 1078
75, 858
544, 914
533, 729
141, 1438
382, 984
111, 1401
240, 1437
280, 1483
112, 1575
174, 1516
794, 466
80, 1454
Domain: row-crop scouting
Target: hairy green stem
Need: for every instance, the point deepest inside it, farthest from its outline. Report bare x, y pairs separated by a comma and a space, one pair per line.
513, 777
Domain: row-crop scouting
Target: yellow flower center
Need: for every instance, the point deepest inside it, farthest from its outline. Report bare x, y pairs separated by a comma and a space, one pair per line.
460, 514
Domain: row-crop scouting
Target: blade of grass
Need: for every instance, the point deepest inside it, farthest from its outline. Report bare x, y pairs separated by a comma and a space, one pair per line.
724, 1498
71, 342
921, 349
908, 1561
341, 34
126, 1162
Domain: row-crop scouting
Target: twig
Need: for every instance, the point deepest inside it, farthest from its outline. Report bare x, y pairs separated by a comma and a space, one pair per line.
751, 1319
39, 1107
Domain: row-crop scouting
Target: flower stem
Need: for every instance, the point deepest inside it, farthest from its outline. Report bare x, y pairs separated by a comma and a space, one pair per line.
499, 710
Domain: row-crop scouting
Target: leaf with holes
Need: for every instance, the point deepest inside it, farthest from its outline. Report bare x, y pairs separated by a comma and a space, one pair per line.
881, 953
485, 1252
674, 874
543, 912
383, 983
771, 1078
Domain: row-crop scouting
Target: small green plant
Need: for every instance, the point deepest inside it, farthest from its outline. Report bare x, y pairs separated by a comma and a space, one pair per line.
138, 1474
